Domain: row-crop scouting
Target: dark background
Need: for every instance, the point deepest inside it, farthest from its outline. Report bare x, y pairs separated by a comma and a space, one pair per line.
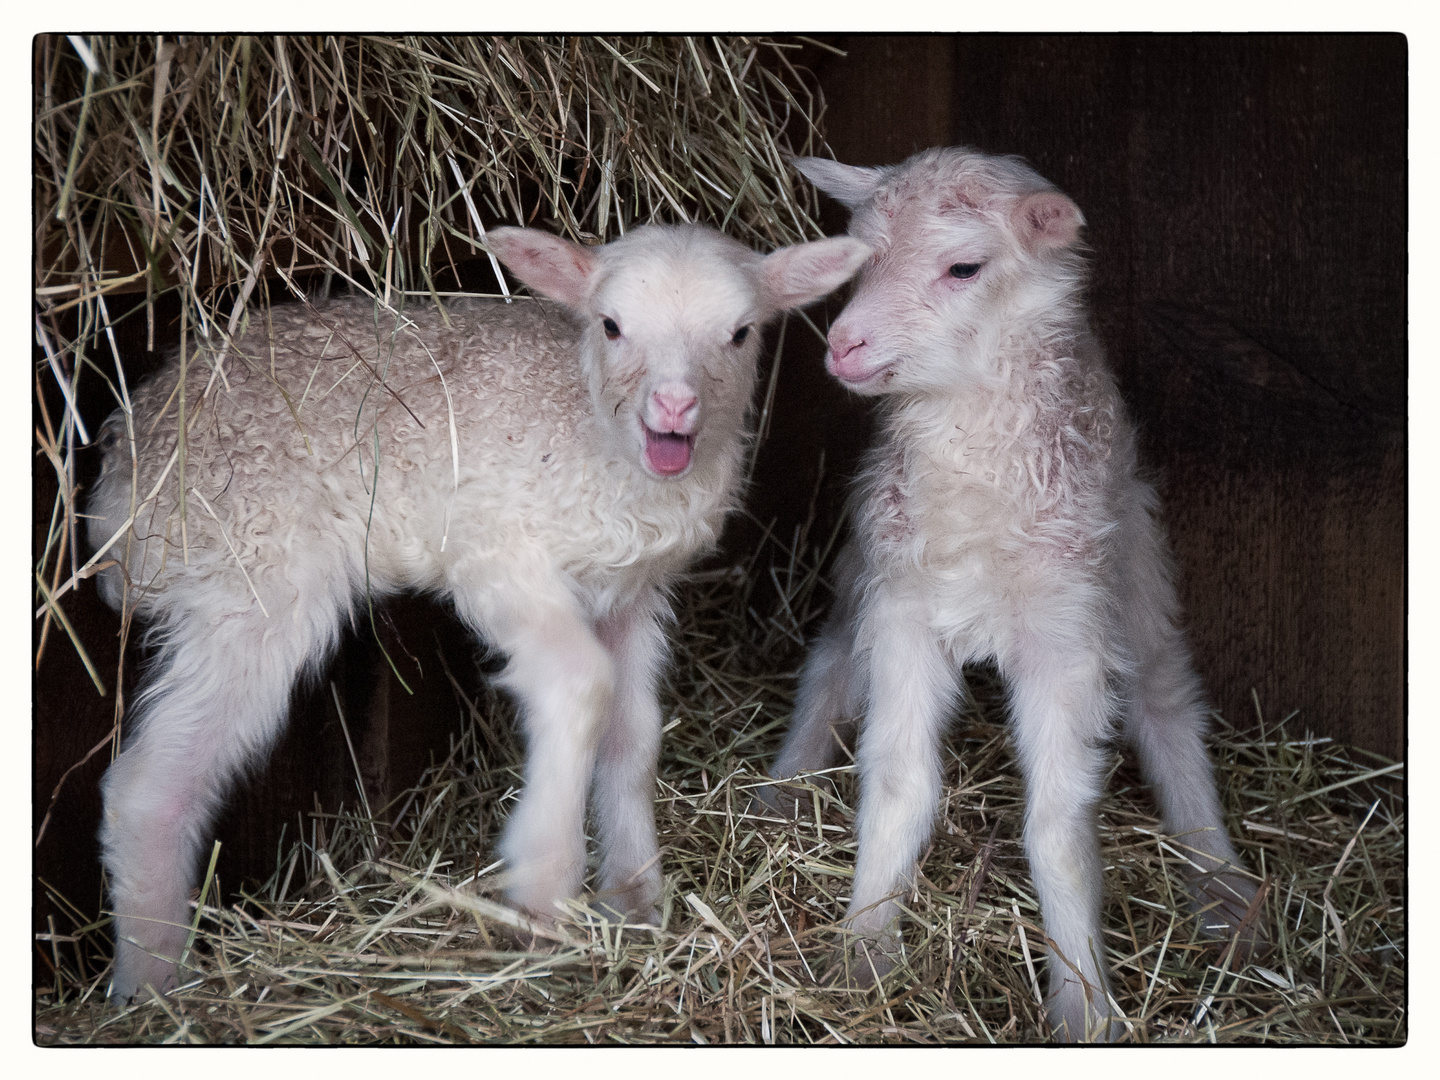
1246, 207
1245, 198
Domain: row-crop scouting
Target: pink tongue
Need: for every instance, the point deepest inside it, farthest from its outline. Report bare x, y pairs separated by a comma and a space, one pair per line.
667, 453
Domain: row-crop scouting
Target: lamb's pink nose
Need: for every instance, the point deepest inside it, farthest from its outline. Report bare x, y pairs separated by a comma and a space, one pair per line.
847, 353
843, 342
676, 409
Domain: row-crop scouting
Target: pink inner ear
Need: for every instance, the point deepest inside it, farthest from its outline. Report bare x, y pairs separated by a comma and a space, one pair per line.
1048, 219
548, 264
795, 276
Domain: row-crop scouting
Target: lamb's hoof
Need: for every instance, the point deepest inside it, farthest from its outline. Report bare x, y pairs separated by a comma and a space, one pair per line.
123, 997
633, 920
775, 800
140, 976
863, 963
1231, 910
1078, 1010
532, 938
527, 929
1087, 1028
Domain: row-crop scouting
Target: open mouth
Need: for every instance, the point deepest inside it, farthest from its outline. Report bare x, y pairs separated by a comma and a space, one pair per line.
857, 380
668, 452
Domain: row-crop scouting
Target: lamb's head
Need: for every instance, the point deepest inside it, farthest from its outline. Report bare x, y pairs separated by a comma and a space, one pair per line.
672, 318
970, 249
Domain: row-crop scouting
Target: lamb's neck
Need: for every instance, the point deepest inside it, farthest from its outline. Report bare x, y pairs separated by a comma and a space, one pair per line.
993, 367
990, 410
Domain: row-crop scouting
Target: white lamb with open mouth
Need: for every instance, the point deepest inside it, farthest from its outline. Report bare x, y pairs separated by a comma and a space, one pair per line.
547, 467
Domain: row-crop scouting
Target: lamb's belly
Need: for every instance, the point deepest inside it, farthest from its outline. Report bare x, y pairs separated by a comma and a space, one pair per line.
997, 602
405, 547
970, 606
976, 583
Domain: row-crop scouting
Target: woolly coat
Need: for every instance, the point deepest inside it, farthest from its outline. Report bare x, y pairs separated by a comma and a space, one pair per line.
427, 451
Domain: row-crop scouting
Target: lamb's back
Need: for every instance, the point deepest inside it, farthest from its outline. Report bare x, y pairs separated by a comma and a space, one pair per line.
347, 425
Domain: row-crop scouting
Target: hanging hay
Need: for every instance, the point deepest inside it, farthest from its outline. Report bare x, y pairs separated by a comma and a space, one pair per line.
390, 930
234, 171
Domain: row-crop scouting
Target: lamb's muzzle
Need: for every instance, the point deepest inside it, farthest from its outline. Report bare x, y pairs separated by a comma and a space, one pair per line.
848, 359
672, 417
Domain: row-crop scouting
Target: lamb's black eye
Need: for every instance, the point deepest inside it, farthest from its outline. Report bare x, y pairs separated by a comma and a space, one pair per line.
612, 328
964, 271
740, 336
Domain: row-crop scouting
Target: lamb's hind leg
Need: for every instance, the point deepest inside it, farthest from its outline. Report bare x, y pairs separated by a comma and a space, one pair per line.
1166, 725
830, 695
1060, 706
213, 701
1165, 721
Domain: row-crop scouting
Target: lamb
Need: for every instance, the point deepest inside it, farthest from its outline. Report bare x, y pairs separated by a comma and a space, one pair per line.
1000, 515
549, 468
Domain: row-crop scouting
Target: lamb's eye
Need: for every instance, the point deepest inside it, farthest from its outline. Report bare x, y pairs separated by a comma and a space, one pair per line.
740, 336
612, 328
964, 271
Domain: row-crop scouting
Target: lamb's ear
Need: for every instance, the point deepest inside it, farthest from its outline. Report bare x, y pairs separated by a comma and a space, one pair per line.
1046, 220
849, 184
548, 264
794, 276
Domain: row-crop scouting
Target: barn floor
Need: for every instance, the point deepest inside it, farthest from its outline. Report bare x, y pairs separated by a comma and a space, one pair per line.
387, 930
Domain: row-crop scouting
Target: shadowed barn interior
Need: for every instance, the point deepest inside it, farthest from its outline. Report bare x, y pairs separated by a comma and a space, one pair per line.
1245, 207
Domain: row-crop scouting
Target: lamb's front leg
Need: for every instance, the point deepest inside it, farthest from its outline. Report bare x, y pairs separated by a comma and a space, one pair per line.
564, 680
624, 792
1060, 708
912, 693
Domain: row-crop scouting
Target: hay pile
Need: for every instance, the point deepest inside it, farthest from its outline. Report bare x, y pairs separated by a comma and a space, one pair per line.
230, 172
389, 930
